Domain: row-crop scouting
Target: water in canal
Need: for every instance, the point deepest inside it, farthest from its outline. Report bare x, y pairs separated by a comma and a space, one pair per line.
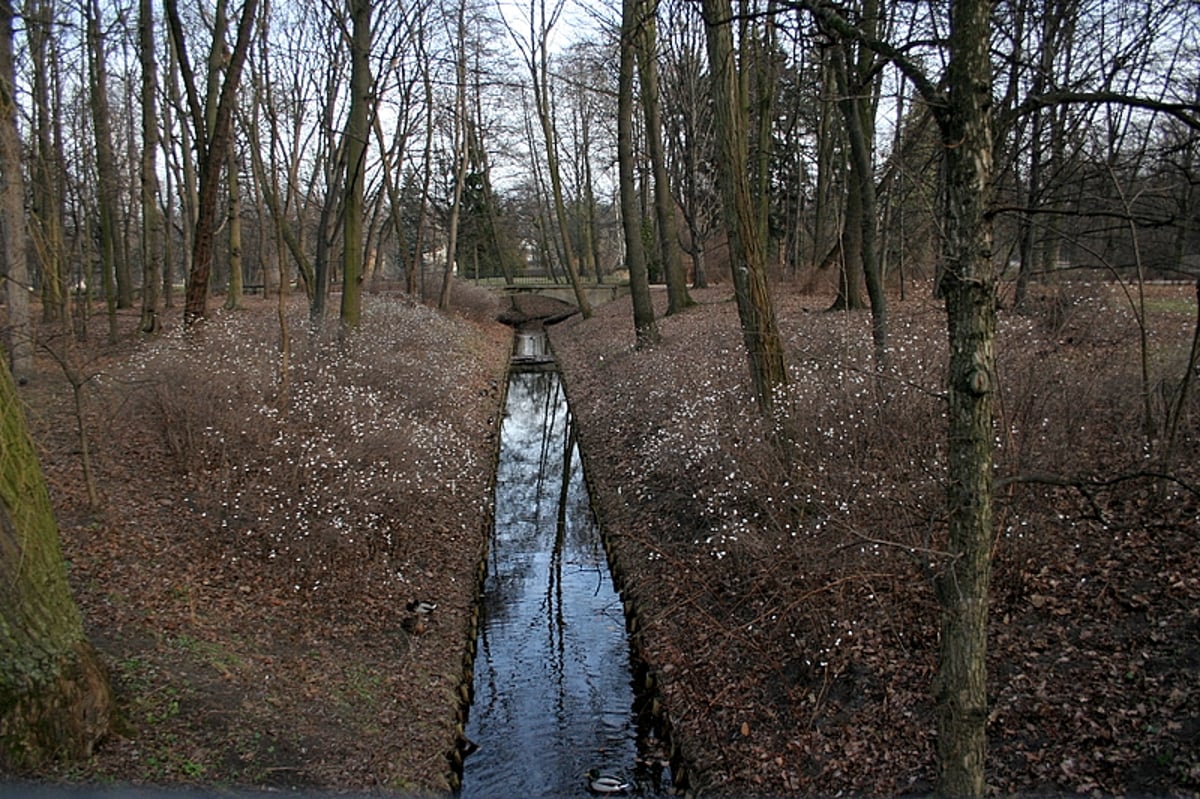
553, 687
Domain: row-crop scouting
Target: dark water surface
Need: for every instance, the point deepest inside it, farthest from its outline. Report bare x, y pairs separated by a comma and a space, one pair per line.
553, 684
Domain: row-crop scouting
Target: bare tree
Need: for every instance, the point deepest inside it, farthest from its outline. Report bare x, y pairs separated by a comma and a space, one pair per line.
18, 337
645, 328
214, 140
152, 219
535, 51
962, 105
760, 331
688, 130
47, 190
106, 168
459, 152
357, 132
857, 105
234, 294
646, 42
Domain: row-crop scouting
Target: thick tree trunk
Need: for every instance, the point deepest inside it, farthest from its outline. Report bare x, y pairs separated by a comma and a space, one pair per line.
54, 694
825, 221
850, 276
760, 331
968, 284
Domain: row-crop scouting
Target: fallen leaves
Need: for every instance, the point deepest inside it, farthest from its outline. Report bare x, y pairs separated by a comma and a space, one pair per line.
772, 592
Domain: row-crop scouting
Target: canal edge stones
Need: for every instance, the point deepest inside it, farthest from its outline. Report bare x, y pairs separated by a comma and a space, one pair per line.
650, 702
465, 690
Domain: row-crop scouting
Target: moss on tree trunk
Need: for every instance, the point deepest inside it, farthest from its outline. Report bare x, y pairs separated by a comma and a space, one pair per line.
54, 694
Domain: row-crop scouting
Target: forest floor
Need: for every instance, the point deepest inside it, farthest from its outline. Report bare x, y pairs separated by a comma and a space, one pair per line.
245, 570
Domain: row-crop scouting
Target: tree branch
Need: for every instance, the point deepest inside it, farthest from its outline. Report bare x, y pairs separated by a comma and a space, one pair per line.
832, 19
1187, 113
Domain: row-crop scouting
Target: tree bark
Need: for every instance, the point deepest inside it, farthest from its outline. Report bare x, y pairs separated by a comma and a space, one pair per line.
234, 292
214, 151
54, 693
357, 130
106, 169
968, 284
47, 187
152, 219
760, 332
862, 178
644, 326
825, 222
664, 204
19, 333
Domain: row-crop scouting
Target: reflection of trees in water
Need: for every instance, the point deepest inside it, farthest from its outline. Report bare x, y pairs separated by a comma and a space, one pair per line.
543, 513
552, 679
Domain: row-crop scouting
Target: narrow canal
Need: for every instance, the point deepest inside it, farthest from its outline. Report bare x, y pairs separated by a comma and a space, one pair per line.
553, 688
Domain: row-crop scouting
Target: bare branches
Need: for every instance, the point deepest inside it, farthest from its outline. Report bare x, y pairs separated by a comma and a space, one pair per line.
1187, 113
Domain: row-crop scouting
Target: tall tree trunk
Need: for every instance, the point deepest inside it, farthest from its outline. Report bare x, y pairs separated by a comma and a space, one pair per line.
183, 175
390, 174
54, 693
416, 270
761, 80
480, 158
460, 156
850, 277
968, 284
824, 214
152, 220
760, 332
645, 328
357, 131
589, 260
1051, 19
214, 152
862, 177
664, 204
106, 165
15, 267
236, 288
47, 192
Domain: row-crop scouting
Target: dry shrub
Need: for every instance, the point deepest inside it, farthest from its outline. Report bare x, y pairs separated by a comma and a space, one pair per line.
810, 567
326, 486
467, 299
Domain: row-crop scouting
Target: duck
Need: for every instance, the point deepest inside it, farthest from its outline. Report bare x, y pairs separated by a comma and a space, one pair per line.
421, 607
606, 784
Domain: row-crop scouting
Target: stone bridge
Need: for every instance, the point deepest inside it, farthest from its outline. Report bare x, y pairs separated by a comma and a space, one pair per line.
596, 293
528, 306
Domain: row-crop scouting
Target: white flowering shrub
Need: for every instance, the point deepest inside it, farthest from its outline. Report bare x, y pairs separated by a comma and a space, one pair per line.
339, 468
